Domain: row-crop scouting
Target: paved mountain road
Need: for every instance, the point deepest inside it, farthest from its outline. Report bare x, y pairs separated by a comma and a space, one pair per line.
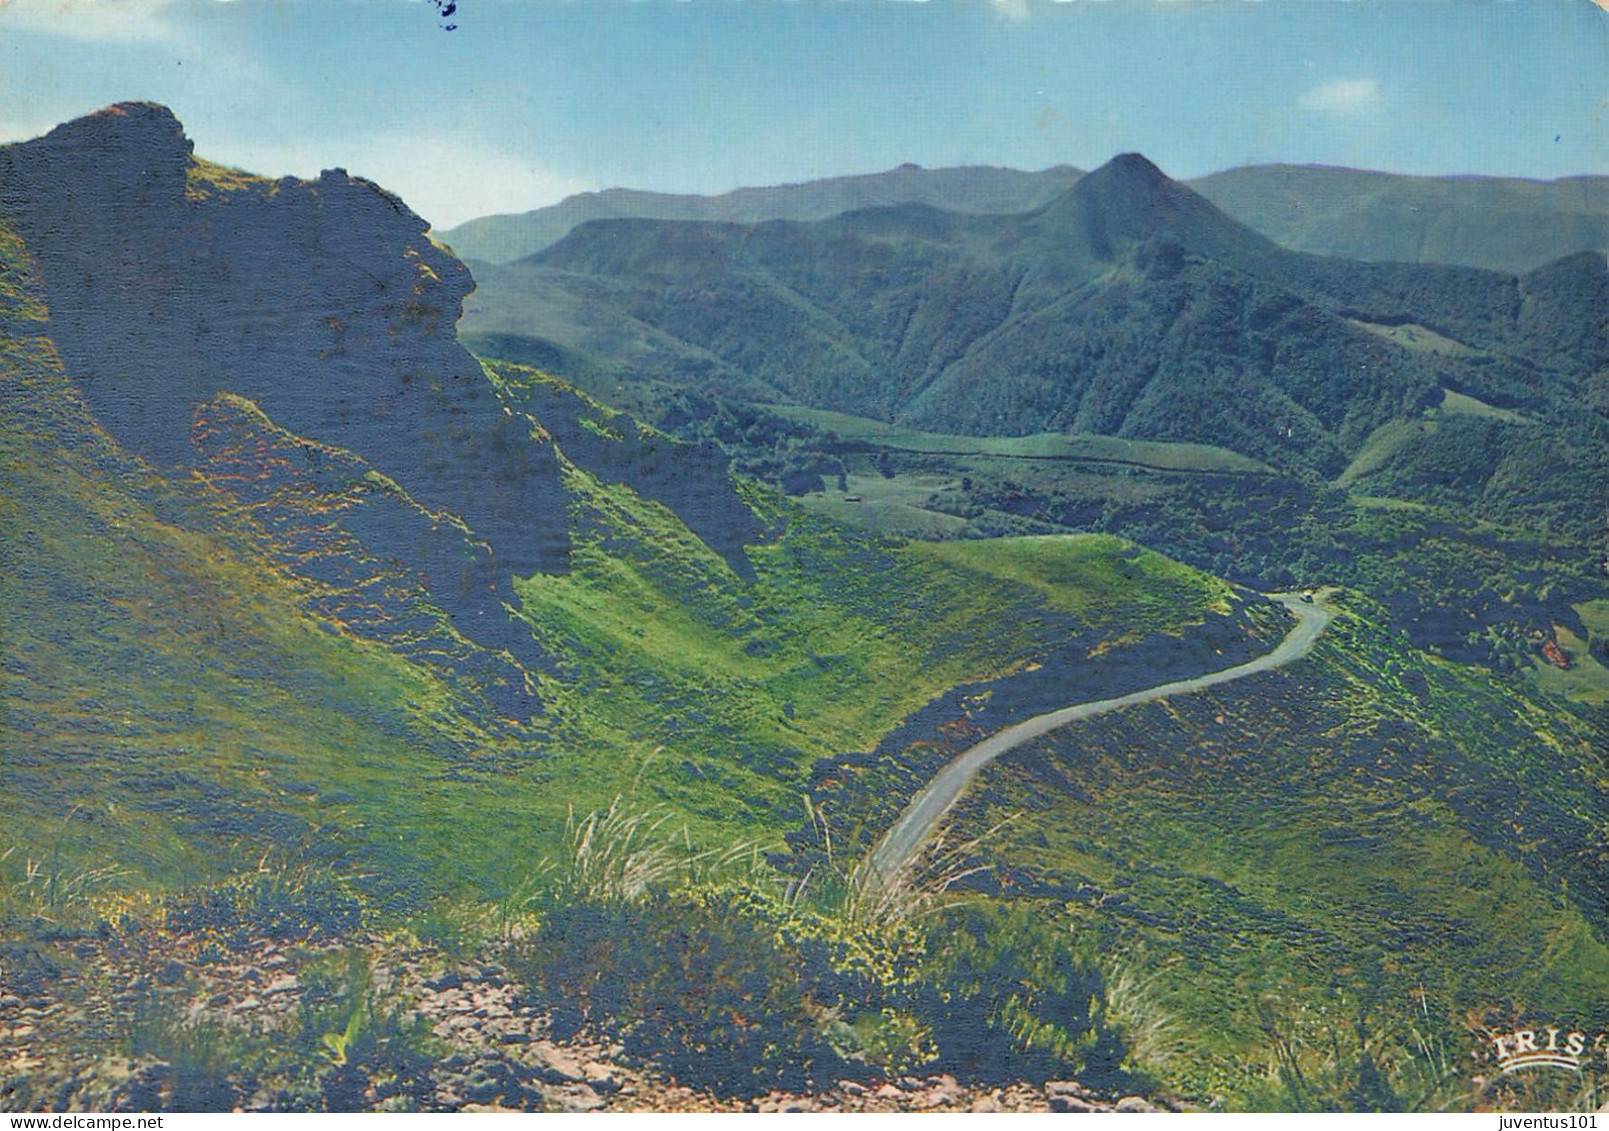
900, 845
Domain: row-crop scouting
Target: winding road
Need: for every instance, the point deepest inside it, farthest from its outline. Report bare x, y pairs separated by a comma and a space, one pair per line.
900, 845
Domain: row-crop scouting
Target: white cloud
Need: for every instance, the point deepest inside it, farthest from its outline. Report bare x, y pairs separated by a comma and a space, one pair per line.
111, 21
445, 180
1019, 11
1343, 96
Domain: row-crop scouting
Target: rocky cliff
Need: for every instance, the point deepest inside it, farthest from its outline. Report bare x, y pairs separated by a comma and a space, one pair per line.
293, 345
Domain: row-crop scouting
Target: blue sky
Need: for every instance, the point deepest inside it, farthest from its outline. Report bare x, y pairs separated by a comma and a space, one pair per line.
528, 100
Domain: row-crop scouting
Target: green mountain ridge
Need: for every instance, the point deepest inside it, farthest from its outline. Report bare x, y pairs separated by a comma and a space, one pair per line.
983, 188
1129, 306
1506, 224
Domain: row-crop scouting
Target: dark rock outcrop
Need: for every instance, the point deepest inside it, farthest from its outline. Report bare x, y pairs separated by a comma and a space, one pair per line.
325, 510
324, 303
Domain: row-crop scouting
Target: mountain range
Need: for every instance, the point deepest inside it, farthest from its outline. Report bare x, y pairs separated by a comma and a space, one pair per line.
1503, 224
980, 188
1127, 306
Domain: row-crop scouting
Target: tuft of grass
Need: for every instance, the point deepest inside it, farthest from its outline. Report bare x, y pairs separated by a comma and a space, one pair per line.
363, 1043
923, 888
187, 1064
348, 1047
205, 179
53, 887
619, 855
1152, 1036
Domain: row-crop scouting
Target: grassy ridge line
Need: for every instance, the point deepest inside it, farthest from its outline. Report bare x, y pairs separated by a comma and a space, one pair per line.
1163, 455
1101, 578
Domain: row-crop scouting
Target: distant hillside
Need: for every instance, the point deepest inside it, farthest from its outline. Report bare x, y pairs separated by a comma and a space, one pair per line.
974, 188
1498, 223
1409, 419
1128, 306
1506, 224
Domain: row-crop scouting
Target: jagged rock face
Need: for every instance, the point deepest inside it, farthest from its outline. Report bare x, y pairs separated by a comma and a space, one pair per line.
325, 305
324, 509
324, 302
690, 479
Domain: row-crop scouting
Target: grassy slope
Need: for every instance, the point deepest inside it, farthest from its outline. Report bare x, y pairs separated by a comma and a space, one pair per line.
167, 705
692, 691
1587, 679
1416, 338
1389, 441
162, 676
900, 501
1096, 577
164, 699
1424, 519
895, 505
1312, 846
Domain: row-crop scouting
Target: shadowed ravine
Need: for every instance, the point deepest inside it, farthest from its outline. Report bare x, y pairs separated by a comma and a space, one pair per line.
900, 845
